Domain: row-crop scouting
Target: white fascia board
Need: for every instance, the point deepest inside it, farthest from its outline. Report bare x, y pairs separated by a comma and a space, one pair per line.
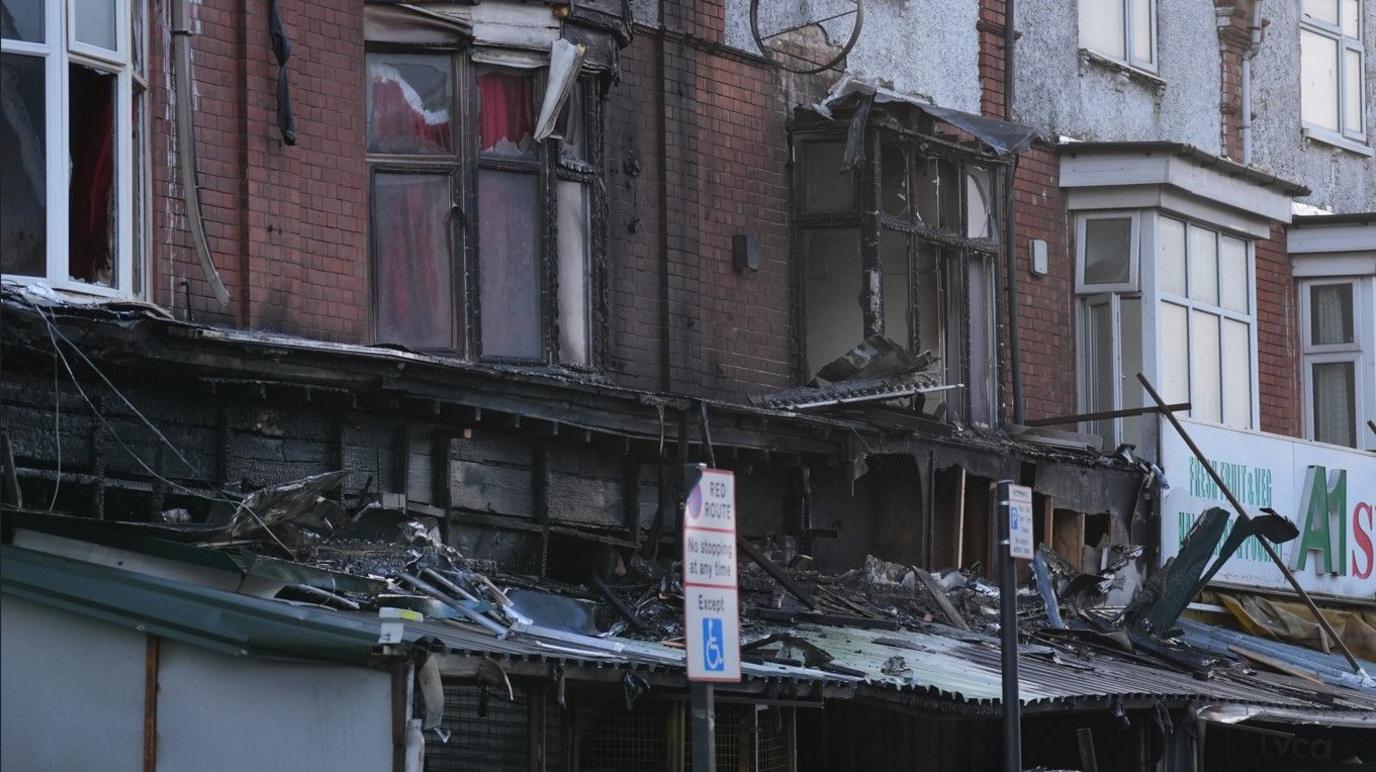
1338, 237
1180, 178
1320, 264
1170, 201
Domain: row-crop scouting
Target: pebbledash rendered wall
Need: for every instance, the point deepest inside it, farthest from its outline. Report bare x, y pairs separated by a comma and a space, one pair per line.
1061, 95
1342, 180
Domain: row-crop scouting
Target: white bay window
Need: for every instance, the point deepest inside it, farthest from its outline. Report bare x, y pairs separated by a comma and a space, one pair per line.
1174, 300
72, 185
1336, 338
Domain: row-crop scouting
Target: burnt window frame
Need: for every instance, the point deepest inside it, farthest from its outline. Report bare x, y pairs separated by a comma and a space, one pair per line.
464, 164
957, 254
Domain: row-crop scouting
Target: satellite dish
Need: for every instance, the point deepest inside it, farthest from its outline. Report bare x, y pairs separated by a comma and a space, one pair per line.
800, 35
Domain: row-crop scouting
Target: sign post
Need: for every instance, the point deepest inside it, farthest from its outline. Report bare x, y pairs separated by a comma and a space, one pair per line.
1015, 541
711, 616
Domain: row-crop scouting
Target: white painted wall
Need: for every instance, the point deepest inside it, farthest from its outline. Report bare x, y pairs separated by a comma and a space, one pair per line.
71, 691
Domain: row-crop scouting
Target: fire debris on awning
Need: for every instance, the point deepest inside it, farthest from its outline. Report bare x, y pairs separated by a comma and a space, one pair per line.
366, 578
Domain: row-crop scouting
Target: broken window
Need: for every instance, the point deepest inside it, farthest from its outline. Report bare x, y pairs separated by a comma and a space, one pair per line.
1198, 290
71, 143
932, 239
1336, 343
483, 235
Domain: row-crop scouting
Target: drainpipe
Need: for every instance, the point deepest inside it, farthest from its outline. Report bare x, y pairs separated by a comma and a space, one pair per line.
1247, 84
1009, 247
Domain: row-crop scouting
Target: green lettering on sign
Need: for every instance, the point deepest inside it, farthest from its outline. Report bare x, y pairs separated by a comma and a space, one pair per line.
1323, 502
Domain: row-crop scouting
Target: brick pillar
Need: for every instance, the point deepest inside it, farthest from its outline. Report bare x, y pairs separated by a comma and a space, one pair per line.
1234, 19
991, 42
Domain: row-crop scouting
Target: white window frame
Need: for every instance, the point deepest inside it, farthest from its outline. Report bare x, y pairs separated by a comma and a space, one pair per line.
1127, 58
1218, 309
1345, 44
59, 50
1133, 284
1357, 353
1146, 241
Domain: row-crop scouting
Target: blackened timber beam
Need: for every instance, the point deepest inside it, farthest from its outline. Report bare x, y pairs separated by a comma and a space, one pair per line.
620, 605
1104, 415
781, 576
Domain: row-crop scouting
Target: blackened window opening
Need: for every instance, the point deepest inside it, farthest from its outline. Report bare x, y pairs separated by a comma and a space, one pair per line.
92, 224
902, 245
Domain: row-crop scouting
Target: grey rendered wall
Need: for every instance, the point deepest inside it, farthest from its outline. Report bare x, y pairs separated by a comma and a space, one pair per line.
1097, 103
71, 691
928, 47
233, 713
1342, 181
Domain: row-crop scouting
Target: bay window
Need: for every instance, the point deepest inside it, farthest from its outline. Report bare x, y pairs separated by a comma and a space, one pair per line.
903, 246
1336, 338
1172, 299
482, 236
1331, 70
72, 80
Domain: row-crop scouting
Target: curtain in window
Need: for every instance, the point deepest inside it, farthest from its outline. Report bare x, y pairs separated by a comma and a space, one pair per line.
413, 248
91, 199
1334, 403
400, 121
1331, 314
506, 112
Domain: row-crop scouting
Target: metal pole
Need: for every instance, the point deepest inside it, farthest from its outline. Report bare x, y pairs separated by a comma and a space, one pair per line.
704, 727
1008, 631
1242, 513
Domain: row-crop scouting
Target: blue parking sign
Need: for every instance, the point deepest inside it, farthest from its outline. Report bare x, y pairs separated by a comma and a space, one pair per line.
713, 649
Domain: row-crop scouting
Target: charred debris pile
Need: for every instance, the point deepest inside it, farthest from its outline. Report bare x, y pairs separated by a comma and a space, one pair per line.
302, 542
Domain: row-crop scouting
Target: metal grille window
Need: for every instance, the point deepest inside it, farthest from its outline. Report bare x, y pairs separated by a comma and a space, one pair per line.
485, 240
610, 738
1331, 70
901, 245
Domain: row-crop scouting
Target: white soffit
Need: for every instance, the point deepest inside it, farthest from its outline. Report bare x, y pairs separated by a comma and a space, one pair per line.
1174, 182
1344, 247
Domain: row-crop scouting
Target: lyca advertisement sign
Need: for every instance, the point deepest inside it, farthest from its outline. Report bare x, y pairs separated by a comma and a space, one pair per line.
1328, 492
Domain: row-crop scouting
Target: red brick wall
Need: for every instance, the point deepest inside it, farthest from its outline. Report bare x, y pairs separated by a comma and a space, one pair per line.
706, 126
1281, 395
286, 225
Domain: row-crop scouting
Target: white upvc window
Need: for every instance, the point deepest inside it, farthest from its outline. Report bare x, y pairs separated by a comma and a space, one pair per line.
1122, 30
1173, 300
1336, 340
1331, 70
72, 177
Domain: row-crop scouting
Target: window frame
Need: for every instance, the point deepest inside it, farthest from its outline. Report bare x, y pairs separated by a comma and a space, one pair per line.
464, 164
1356, 353
1127, 59
1149, 244
1344, 44
59, 51
1134, 282
956, 253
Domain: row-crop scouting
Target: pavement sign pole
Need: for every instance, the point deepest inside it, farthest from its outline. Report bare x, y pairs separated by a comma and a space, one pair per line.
711, 630
1015, 540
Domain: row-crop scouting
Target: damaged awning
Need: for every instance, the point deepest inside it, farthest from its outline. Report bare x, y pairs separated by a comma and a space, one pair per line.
1002, 137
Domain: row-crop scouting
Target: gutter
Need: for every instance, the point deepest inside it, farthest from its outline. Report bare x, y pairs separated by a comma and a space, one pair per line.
1010, 227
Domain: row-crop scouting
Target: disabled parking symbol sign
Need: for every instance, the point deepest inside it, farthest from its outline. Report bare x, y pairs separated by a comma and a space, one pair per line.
711, 618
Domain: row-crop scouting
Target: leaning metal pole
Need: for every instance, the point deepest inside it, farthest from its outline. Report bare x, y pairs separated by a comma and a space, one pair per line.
1242, 513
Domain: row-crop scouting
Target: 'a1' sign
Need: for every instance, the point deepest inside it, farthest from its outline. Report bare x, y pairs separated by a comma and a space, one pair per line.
710, 610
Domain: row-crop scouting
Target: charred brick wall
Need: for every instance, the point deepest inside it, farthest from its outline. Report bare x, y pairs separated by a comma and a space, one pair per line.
697, 153
286, 225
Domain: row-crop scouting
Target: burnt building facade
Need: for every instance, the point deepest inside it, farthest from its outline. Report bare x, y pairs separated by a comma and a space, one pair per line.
500, 269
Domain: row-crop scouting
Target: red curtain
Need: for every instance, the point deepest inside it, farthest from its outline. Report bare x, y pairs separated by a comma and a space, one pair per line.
506, 108
414, 251
90, 197
400, 123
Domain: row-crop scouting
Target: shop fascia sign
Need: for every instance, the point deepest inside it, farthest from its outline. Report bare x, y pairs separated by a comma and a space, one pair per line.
1329, 492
